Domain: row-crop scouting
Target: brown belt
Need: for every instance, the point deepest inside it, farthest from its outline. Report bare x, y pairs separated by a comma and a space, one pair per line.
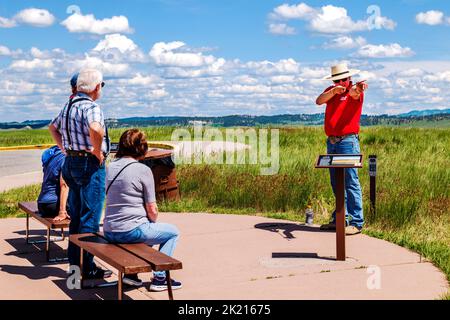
80, 153
337, 139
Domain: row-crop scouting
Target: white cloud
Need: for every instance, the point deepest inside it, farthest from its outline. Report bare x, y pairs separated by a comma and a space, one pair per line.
286, 11
156, 94
345, 42
246, 89
88, 24
16, 88
35, 17
107, 68
328, 19
284, 66
384, 23
438, 77
4, 51
140, 80
282, 79
245, 79
166, 54
116, 41
36, 53
7, 23
413, 72
35, 64
333, 19
281, 29
384, 51
432, 17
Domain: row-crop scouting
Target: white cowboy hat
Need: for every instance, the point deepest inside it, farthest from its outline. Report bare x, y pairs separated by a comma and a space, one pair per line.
341, 71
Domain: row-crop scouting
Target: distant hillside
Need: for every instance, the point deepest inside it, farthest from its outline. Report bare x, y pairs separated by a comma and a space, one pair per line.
422, 113
426, 117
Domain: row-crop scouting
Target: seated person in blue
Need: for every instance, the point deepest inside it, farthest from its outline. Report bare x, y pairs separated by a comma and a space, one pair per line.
131, 210
52, 201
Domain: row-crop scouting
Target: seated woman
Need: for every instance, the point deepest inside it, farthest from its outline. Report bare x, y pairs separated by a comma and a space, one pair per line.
52, 201
131, 210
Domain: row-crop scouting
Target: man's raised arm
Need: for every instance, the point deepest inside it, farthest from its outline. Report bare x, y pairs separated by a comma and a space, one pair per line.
327, 95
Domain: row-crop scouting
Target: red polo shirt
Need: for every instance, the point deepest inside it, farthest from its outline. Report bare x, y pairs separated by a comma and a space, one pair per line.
342, 114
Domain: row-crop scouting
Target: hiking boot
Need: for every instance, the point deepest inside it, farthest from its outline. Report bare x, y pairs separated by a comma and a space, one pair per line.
160, 284
132, 280
328, 226
352, 230
98, 273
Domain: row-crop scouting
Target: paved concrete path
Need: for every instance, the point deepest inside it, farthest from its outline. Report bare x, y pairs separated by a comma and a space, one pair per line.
239, 257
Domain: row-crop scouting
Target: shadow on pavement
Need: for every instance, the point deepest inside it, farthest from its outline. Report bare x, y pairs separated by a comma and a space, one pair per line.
34, 272
300, 255
35, 253
105, 293
287, 228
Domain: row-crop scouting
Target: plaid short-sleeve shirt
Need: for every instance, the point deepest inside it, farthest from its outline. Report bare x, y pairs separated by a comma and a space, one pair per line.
82, 114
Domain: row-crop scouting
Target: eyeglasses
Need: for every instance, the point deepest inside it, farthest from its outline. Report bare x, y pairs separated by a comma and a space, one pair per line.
343, 80
103, 84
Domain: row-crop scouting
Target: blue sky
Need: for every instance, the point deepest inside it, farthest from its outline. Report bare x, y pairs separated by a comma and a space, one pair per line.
193, 57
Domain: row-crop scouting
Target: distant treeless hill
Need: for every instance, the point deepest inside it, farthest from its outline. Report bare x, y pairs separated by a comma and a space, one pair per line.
249, 120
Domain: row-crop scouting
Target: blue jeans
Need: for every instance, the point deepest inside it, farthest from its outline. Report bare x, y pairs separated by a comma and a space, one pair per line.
150, 233
353, 194
86, 180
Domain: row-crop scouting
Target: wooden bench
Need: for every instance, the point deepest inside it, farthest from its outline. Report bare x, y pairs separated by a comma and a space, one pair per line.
31, 209
126, 258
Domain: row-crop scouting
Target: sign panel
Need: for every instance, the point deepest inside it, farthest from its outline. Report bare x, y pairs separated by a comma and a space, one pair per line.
339, 161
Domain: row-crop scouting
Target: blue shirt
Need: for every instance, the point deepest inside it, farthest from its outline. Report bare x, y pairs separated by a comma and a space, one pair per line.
52, 162
82, 114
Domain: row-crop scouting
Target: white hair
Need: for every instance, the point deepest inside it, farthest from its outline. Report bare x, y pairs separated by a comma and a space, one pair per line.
88, 79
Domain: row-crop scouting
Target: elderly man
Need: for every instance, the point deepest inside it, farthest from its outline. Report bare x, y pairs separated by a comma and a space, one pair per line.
80, 131
344, 102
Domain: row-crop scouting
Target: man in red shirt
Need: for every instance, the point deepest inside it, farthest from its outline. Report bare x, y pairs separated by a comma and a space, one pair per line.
344, 102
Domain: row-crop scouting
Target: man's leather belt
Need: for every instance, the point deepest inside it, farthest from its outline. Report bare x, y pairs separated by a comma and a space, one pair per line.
336, 139
80, 153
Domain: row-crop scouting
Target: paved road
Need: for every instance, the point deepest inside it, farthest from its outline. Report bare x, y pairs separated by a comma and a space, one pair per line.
23, 167
17, 162
20, 168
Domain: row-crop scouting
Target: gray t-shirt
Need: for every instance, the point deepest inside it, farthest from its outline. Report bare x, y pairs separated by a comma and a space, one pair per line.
126, 198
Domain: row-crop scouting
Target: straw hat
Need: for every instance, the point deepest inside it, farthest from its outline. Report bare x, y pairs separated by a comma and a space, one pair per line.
341, 71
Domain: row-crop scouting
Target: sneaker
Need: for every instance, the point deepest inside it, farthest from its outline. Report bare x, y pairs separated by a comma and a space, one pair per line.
132, 280
98, 273
352, 230
328, 226
159, 284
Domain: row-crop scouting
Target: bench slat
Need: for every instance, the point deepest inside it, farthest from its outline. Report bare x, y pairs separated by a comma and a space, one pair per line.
31, 208
120, 259
159, 261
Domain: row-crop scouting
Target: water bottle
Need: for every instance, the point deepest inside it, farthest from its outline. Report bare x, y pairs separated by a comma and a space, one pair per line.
309, 215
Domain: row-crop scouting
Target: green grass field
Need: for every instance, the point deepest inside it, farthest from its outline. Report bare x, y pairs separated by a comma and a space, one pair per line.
413, 185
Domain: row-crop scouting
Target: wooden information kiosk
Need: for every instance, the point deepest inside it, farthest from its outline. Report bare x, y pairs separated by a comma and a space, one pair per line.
340, 162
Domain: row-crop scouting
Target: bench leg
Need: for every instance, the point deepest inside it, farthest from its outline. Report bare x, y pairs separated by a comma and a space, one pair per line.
81, 268
27, 228
120, 286
47, 245
62, 234
169, 285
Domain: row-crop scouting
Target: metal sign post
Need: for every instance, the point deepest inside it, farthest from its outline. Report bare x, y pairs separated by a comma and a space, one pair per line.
373, 184
339, 162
